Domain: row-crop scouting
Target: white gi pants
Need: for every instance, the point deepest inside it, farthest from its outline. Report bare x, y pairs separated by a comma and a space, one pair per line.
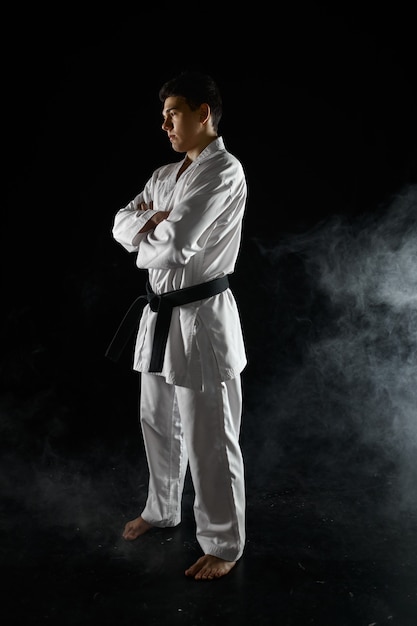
181, 426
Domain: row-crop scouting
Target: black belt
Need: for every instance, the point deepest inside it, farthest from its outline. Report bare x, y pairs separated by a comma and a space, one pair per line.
162, 305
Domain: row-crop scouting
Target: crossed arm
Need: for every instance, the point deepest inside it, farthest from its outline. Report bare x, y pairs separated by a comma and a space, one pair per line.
157, 217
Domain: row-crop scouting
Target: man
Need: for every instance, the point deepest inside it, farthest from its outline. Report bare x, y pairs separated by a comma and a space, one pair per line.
185, 228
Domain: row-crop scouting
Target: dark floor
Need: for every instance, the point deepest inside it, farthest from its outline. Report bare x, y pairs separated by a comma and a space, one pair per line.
313, 556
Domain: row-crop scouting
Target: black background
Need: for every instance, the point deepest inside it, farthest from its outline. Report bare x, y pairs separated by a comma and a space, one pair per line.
320, 107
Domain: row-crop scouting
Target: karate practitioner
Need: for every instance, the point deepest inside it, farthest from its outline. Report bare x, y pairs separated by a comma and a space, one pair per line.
185, 228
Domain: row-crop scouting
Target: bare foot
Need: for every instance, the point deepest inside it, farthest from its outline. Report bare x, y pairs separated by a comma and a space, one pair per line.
135, 528
208, 567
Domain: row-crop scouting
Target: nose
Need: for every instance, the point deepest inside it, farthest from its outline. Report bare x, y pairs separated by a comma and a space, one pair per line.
166, 124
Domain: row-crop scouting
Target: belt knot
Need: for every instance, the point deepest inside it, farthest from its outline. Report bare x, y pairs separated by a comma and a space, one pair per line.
162, 305
154, 302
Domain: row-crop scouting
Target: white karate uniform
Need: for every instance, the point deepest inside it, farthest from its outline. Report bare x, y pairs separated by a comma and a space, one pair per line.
191, 410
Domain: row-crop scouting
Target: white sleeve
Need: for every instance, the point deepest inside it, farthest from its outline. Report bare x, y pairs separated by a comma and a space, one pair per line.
128, 222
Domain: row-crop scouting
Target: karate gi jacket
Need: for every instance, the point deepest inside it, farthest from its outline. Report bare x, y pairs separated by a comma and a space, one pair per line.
199, 241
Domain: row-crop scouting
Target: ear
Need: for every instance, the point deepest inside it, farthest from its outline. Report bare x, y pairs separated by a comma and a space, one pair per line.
204, 113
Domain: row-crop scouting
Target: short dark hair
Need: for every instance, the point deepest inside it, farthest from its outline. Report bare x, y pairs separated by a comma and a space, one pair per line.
196, 88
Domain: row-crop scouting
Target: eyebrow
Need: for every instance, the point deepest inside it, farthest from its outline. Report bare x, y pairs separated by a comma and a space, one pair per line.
166, 111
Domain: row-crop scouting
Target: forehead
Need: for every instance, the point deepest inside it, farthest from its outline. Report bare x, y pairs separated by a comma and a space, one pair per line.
174, 102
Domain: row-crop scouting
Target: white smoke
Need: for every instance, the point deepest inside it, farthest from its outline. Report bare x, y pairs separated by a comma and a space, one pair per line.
343, 399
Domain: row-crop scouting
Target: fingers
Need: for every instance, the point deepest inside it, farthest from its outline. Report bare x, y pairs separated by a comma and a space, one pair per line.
144, 207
